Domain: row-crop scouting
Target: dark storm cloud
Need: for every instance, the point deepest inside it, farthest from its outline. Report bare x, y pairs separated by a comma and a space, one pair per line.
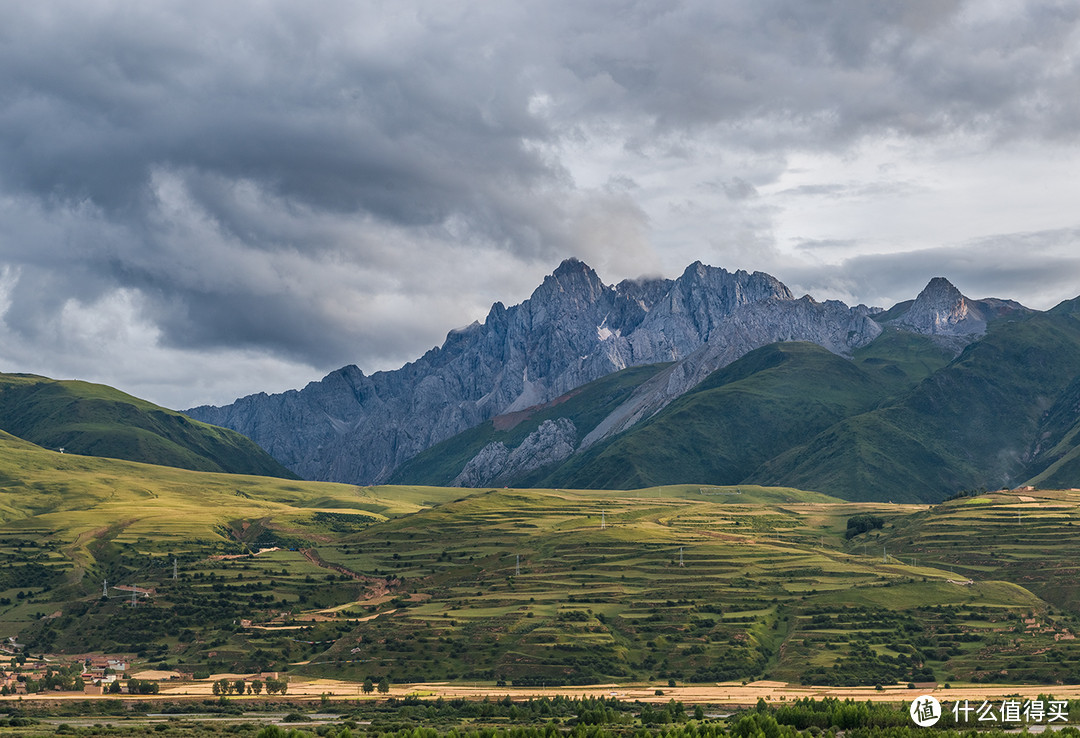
262, 97
302, 180
208, 138
777, 72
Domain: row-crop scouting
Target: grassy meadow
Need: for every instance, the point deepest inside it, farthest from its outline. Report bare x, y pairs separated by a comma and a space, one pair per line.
683, 583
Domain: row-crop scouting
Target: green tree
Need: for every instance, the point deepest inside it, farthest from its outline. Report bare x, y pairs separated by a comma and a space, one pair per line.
369, 686
384, 685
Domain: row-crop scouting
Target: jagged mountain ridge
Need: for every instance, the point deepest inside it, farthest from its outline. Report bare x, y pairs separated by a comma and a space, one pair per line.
573, 329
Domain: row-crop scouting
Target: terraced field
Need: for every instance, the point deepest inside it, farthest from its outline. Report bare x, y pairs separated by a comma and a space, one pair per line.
529, 587
700, 584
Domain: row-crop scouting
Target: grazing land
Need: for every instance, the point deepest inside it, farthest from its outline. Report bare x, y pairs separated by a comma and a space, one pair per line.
527, 588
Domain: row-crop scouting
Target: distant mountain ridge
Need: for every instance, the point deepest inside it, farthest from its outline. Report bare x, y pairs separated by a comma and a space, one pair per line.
573, 329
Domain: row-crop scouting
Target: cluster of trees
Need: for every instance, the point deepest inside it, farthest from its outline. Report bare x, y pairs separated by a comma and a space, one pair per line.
141, 686
672, 712
533, 710
857, 524
863, 665
369, 686
843, 714
224, 687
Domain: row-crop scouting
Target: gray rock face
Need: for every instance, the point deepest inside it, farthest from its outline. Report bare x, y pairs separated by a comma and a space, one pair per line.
940, 310
351, 427
483, 468
832, 325
553, 441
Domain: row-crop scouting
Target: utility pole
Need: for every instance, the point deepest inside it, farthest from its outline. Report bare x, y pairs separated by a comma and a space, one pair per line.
680, 556
517, 566
884, 556
134, 594
174, 568
603, 520
105, 589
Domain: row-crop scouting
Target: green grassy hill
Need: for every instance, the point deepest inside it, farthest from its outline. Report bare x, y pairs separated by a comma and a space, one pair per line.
97, 420
721, 432
751, 411
1024, 536
727, 426
1055, 455
971, 424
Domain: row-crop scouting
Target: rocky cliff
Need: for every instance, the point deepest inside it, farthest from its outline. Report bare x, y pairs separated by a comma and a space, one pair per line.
357, 428
553, 441
352, 427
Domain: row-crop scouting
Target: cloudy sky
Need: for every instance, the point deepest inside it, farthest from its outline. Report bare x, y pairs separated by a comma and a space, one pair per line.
200, 200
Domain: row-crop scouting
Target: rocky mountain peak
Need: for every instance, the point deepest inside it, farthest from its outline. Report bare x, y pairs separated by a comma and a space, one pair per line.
644, 292
570, 266
572, 278
940, 309
940, 291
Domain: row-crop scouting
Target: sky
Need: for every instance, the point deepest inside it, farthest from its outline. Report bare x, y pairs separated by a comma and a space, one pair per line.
203, 200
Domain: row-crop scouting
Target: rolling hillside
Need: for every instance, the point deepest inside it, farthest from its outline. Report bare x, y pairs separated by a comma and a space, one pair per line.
97, 420
689, 583
979, 422
720, 432
205, 572
737, 419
